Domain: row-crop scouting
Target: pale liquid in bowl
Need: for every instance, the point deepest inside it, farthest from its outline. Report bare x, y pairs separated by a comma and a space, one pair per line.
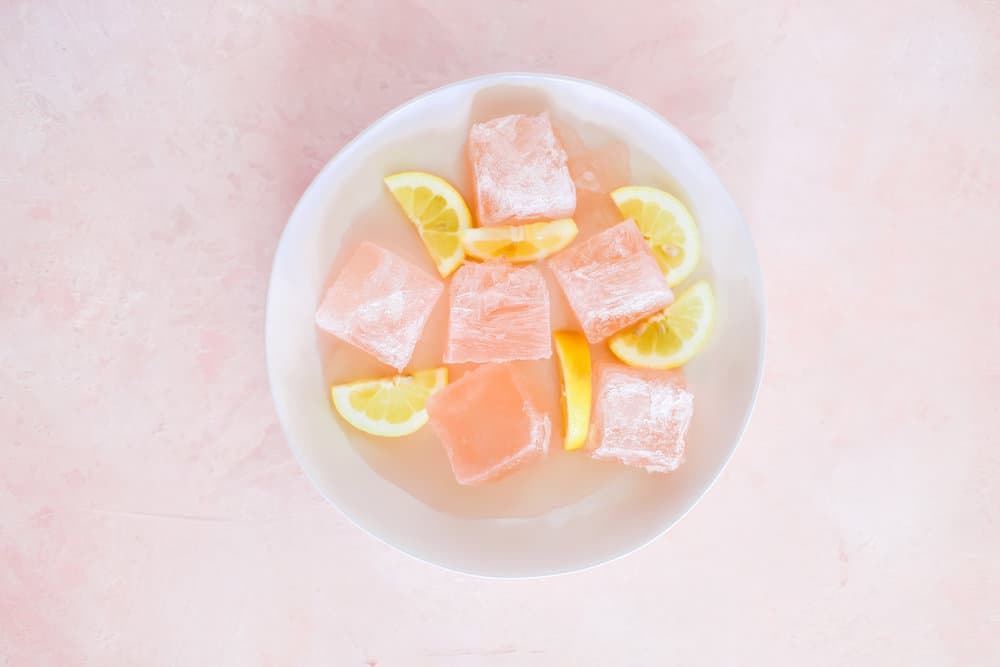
418, 463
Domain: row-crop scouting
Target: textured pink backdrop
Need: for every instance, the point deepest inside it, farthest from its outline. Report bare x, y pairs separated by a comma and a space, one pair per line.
150, 512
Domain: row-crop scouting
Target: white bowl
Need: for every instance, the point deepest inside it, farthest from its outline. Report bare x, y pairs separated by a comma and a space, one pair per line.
615, 514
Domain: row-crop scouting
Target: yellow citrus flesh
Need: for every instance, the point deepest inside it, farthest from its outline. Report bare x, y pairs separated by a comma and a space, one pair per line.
671, 338
519, 243
389, 407
667, 226
438, 211
574, 364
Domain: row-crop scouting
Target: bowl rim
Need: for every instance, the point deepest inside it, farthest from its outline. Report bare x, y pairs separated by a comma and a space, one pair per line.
485, 80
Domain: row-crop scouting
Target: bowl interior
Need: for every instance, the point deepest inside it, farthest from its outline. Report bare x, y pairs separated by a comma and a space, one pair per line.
474, 530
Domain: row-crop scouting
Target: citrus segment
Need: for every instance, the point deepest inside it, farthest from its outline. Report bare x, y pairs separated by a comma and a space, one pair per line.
671, 338
574, 365
667, 225
438, 211
519, 243
389, 407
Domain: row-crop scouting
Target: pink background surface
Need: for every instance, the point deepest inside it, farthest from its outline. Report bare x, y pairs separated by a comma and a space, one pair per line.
150, 512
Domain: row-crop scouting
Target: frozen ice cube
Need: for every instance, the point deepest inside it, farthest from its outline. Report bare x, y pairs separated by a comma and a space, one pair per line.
490, 423
498, 313
519, 170
641, 417
379, 303
600, 169
611, 280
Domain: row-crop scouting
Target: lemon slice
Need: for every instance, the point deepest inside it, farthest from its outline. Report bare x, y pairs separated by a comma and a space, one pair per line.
519, 243
574, 365
671, 338
390, 407
666, 224
438, 211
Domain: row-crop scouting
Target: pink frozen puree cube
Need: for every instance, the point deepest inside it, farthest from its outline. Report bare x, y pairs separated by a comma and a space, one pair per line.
641, 417
498, 313
489, 423
519, 169
379, 303
611, 280
599, 169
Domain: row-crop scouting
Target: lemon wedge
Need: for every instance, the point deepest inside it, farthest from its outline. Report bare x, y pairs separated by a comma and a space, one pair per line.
519, 243
671, 338
389, 407
574, 365
667, 226
438, 211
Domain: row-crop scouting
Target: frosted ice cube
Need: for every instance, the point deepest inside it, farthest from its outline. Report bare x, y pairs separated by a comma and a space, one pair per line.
641, 417
519, 170
489, 423
611, 280
498, 313
379, 303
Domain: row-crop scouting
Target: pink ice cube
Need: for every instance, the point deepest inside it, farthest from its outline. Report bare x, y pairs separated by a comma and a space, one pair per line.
641, 417
600, 169
498, 313
611, 280
519, 169
490, 423
379, 303
595, 212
